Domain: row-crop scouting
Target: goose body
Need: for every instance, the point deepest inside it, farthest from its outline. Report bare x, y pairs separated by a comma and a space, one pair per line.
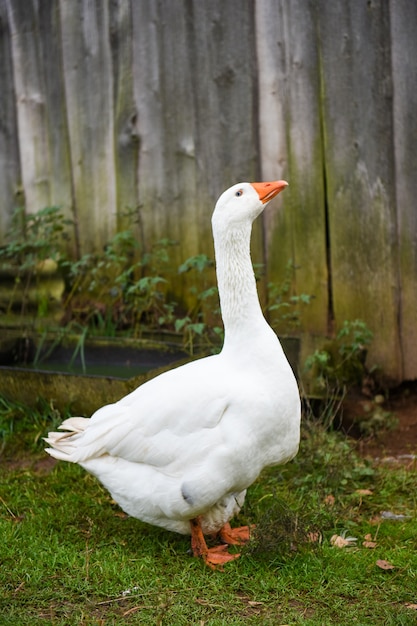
180, 451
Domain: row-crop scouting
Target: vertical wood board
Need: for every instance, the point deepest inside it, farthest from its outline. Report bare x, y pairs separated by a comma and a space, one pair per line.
126, 138
404, 75
291, 148
57, 138
359, 156
29, 88
194, 92
89, 98
10, 185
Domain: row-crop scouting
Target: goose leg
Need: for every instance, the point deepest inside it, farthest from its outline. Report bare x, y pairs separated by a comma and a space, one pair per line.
214, 557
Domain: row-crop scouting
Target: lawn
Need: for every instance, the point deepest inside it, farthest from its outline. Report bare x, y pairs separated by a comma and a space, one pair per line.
70, 556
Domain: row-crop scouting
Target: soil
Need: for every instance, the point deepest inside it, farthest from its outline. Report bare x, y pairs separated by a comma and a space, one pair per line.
385, 426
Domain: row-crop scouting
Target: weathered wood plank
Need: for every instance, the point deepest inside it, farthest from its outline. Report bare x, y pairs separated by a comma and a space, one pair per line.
403, 16
38, 80
89, 98
291, 148
57, 138
194, 93
221, 48
167, 163
30, 104
125, 113
9, 145
357, 117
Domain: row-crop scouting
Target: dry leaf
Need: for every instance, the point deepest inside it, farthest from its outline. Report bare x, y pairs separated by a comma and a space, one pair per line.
342, 542
369, 541
314, 537
364, 492
329, 500
385, 564
411, 606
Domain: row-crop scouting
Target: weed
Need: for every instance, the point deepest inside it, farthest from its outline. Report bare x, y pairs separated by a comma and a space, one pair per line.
22, 428
33, 241
340, 364
284, 307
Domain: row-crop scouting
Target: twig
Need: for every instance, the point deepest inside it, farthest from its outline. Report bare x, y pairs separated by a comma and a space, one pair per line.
8, 510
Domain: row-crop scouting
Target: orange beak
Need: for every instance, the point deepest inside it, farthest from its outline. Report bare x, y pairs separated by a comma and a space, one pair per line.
267, 191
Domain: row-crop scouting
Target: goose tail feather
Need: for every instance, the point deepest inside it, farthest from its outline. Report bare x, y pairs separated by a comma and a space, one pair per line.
63, 445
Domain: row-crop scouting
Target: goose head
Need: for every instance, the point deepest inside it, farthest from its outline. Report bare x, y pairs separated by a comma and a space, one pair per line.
242, 203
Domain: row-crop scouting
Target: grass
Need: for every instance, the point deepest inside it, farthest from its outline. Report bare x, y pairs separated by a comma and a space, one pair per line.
70, 556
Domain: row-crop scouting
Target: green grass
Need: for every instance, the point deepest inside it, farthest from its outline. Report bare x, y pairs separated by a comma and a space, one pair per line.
68, 555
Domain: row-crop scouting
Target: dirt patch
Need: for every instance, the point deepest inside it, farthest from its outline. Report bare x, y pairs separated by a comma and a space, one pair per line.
384, 426
40, 463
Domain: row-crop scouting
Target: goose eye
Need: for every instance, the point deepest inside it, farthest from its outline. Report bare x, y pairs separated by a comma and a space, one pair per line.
239, 193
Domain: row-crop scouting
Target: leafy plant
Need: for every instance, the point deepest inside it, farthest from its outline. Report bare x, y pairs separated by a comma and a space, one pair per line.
203, 320
284, 307
32, 240
124, 289
94, 296
341, 362
374, 418
339, 365
21, 427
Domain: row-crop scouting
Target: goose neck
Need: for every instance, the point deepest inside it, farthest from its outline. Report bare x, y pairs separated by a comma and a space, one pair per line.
239, 302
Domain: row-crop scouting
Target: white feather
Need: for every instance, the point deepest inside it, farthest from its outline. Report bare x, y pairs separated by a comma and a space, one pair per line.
189, 442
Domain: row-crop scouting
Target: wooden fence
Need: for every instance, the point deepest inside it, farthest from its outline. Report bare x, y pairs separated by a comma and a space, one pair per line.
159, 105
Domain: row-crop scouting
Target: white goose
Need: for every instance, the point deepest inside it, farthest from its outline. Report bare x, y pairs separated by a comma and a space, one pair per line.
180, 451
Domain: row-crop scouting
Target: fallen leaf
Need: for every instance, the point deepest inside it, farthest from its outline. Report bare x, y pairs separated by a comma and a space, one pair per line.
364, 492
411, 606
329, 500
385, 564
314, 537
369, 541
339, 541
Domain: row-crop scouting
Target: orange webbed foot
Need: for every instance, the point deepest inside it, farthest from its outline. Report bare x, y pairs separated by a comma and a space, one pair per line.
214, 557
235, 536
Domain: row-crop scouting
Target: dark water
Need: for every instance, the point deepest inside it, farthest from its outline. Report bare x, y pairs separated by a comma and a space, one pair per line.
107, 361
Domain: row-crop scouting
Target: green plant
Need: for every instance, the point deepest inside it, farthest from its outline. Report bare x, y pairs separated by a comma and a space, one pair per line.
22, 428
341, 362
45, 348
32, 240
203, 320
284, 307
374, 418
124, 289
94, 285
